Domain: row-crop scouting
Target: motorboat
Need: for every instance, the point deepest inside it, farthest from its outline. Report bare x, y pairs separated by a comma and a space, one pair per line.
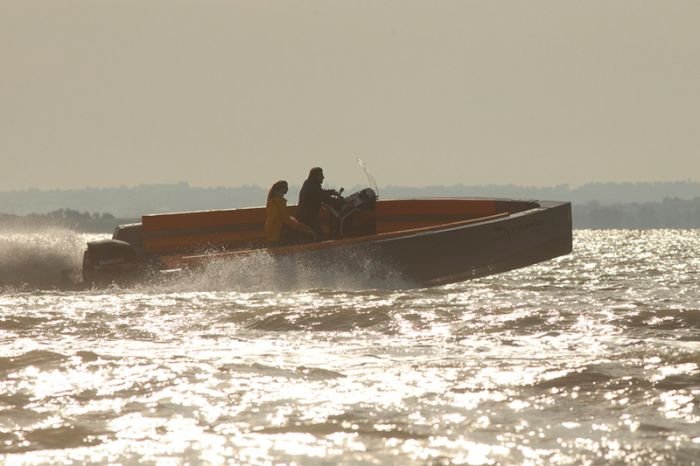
425, 242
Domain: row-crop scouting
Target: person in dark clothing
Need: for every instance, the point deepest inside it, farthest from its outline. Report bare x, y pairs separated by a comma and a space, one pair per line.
311, 197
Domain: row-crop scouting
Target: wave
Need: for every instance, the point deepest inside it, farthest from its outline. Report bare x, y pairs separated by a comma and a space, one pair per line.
41, 259
663, 319
32, 358
336, 319
301, 372
261, 271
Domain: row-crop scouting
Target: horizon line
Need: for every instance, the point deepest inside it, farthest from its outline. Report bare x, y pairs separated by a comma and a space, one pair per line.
388, 186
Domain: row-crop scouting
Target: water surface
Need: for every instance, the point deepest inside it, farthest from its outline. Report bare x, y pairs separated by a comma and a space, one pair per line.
587, 359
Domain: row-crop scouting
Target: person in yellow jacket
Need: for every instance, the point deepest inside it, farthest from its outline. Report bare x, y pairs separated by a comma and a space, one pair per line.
280, 227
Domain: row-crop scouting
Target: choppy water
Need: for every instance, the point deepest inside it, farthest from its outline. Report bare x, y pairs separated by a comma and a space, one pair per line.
588, 359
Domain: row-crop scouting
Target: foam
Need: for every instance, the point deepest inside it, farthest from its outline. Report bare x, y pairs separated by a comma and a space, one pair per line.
38, 259
260, 271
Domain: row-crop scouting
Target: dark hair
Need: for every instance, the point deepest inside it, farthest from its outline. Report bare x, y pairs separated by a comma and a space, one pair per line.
315, 171
276, 188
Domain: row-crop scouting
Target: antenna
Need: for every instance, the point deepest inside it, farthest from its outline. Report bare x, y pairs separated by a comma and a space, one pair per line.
370, 179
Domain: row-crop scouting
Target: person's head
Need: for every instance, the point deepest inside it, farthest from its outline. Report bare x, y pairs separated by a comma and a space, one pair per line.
279, 188
316, 174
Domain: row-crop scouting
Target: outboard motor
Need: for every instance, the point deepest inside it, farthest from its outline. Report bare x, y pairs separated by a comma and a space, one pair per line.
355, 215
117, 260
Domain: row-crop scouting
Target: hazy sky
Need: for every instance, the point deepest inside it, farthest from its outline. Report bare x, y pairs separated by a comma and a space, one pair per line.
227, 93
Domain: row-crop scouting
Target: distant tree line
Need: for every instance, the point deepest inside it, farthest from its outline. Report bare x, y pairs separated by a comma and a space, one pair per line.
64, 218
144, 199
603, 193
132, 201
602, 205
669, 213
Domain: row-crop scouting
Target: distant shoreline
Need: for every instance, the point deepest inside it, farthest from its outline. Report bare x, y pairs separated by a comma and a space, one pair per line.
82, 222
595, 205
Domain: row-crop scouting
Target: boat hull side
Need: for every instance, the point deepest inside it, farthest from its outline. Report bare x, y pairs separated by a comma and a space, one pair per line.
476, 250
